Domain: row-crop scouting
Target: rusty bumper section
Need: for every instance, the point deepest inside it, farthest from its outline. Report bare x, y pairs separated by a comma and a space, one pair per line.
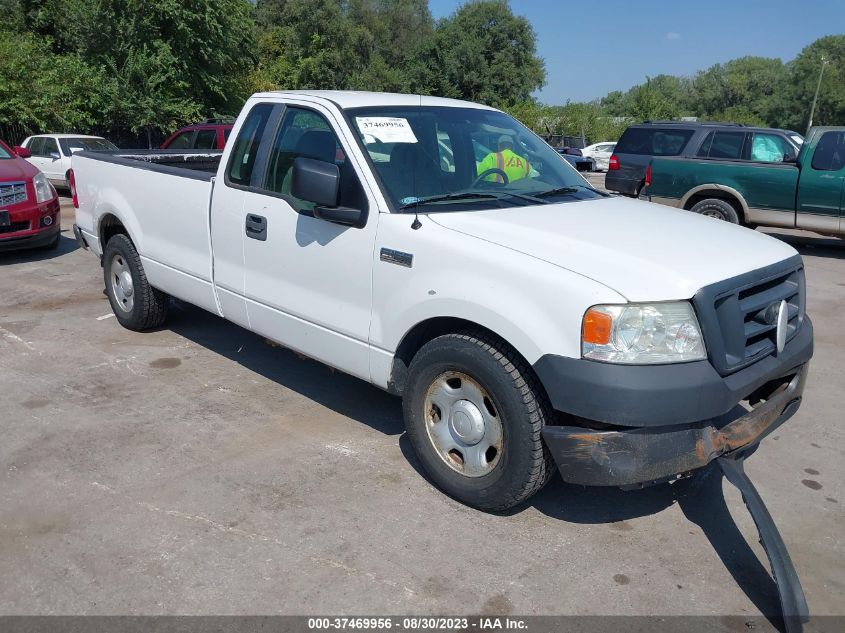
647, 454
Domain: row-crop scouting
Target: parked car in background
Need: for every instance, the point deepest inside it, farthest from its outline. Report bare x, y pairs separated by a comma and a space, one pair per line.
805, 192
210, 134
643, 141
574, 158
29, 205
51, 153
600, 153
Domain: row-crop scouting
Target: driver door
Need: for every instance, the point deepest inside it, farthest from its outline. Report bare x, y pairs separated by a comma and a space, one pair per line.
308, 281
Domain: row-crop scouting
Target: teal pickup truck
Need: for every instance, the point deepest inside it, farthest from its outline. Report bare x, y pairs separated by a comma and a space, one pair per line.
806, 192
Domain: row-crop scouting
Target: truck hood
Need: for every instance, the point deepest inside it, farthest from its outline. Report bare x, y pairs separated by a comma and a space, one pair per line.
643, 251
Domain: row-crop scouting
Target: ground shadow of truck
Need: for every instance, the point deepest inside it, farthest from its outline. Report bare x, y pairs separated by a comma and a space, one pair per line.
701, 498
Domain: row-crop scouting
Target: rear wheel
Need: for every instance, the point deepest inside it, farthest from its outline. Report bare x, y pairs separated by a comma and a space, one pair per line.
136, 304
474, 413
716, 208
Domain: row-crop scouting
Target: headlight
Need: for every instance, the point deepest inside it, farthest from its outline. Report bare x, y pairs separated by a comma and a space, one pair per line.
43, 189
642, 334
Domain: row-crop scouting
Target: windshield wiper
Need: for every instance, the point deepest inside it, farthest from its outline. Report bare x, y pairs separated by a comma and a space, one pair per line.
466, 195
474, 195
560, 191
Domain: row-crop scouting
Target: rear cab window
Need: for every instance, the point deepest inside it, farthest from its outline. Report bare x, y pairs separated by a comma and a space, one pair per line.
655, 141
830, 152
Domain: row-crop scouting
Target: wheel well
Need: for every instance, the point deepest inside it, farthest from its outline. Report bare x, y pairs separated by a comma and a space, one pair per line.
421, 334
110, 226
721, 195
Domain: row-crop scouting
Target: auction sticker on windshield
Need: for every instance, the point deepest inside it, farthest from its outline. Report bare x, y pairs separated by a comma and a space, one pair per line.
385, 129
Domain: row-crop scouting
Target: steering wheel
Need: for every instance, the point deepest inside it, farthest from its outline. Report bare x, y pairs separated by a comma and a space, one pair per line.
489, 172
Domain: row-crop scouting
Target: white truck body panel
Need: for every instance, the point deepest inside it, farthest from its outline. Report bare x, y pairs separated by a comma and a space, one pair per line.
526, 274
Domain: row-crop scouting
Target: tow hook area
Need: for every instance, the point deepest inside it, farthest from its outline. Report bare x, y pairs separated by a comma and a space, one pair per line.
792, 602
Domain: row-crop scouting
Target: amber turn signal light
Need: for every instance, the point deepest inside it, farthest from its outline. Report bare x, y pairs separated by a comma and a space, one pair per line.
597, 326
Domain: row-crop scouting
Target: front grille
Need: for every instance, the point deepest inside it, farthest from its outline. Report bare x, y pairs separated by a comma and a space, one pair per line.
737, 315
14, 227
12, 193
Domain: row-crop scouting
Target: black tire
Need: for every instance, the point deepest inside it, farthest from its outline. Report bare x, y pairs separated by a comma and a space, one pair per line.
149, 305
716, 208
521, 406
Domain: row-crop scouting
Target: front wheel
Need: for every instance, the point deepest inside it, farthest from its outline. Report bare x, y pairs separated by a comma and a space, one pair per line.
474, 413
136, 304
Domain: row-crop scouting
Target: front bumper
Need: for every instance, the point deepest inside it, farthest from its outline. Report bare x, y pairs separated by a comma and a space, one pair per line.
646, 424
41, 237
644, 455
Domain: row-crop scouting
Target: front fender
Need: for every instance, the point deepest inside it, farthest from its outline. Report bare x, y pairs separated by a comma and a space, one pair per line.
535, 306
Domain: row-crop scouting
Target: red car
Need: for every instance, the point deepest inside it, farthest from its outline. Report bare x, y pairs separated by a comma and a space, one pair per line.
210, 134
29, 205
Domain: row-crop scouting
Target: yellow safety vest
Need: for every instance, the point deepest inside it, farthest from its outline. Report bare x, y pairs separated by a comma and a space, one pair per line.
514, 165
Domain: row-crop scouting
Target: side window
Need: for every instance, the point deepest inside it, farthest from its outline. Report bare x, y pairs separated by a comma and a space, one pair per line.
242, 159
770, 148
669, 143
50, 146
727, 145
306, 134
303, 133
830, 152
183, 141
36, 146
206, 139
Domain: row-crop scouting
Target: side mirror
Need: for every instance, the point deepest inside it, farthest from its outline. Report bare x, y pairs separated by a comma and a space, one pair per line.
315, 181
22, 152
55, 155
319, 182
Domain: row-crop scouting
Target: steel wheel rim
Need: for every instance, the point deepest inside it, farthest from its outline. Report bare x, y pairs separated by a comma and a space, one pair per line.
463, 424
714, 213
123, 288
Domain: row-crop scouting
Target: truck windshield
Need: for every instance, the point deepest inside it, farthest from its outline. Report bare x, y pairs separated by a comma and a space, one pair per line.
459, 158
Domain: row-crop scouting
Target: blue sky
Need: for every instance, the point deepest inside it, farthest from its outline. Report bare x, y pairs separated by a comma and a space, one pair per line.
591, 48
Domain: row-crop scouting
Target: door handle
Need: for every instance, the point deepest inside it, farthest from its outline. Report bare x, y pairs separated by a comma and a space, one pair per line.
256, 227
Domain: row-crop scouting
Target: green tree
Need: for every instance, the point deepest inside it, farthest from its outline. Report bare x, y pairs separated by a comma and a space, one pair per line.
482, 52
167, 62
744, 90
41, 90
804, 76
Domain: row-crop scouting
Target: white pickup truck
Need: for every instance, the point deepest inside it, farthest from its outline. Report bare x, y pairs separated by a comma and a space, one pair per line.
441, 251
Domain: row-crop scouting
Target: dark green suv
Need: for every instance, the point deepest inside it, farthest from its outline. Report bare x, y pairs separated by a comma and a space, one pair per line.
729, 141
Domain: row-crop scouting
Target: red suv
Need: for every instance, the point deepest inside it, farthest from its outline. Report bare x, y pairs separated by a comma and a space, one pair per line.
210, 134
29, 205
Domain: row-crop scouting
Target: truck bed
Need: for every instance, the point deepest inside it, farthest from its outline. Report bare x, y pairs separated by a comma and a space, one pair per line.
162, 197
190, 164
